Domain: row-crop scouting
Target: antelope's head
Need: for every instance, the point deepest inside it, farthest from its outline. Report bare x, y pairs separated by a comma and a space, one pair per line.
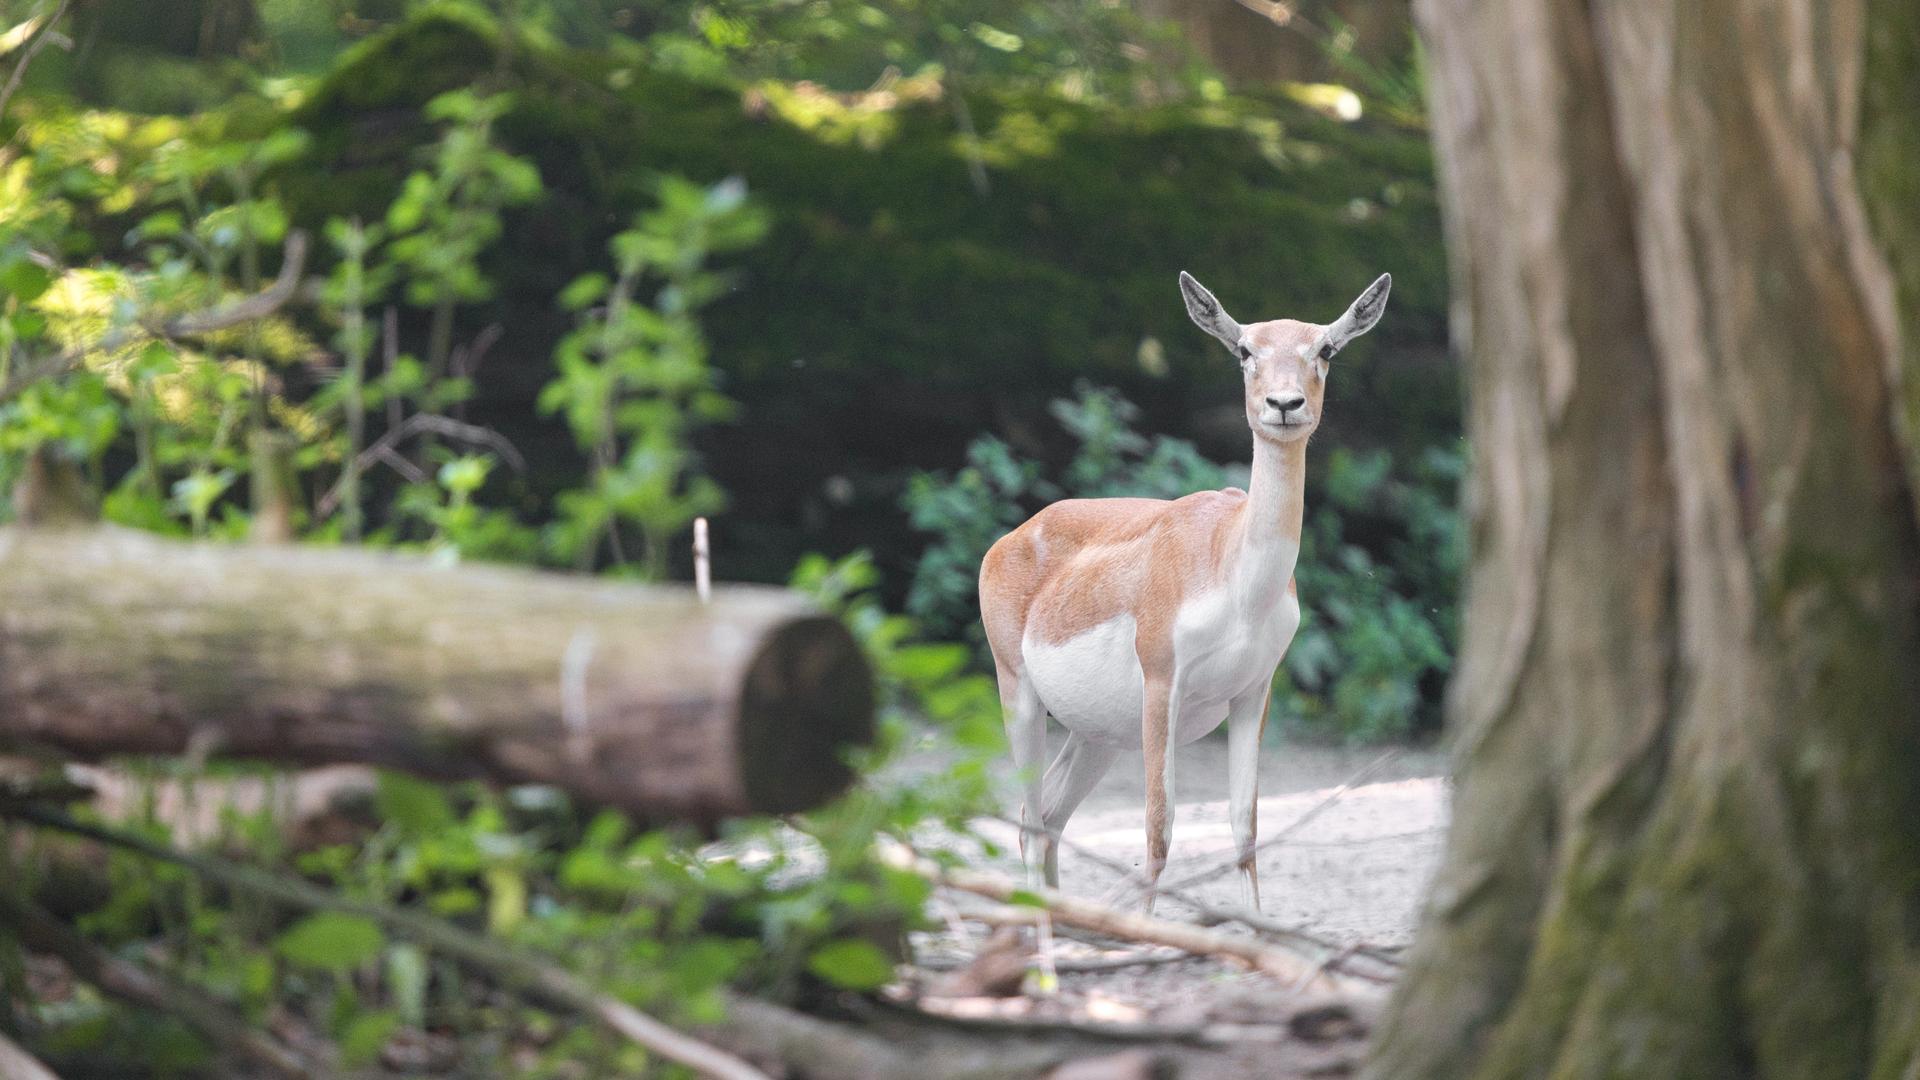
1284, 362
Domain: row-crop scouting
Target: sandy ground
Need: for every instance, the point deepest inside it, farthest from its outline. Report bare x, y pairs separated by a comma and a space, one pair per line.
1356, 872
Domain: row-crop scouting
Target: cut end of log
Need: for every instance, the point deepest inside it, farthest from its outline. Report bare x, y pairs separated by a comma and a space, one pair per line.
807, 699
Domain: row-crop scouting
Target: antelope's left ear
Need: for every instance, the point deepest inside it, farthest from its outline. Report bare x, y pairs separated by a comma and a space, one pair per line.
1359, 318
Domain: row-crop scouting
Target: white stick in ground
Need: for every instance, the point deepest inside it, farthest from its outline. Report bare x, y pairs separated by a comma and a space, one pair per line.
702, 561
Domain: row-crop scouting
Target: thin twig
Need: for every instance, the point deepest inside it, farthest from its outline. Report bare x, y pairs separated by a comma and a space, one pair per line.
1073, 911
385, 449
1088, 966
1291, 827
130, 982
1211, 914
1116, 1030
538, 977
41, 35
257, 306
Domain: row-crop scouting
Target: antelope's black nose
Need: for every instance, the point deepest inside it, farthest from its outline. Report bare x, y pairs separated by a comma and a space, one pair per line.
1286, 404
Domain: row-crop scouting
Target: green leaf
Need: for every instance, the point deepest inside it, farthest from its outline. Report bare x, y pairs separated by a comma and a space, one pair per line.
331, 941
415, 806
851, 964
585, 289
366, 1036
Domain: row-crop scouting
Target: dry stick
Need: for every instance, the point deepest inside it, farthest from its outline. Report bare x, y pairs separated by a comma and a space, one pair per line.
1214, 915
1078, 967
130, 982
258, 306
815, 1047
383, 449
543, 980
1292, 827
1087, 915
17, 1064
702, 561
1115, 1030
41, 35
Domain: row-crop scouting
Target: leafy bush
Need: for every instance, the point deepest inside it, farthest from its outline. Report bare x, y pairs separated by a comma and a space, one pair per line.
1379, 558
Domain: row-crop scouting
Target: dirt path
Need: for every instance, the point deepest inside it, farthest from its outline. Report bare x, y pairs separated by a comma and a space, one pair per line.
1356, 872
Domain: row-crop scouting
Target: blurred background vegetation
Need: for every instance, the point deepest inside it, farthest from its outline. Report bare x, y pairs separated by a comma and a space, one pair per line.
851, 277
867, 283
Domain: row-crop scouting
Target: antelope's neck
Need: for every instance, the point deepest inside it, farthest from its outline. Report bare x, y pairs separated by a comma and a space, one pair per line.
1275, 511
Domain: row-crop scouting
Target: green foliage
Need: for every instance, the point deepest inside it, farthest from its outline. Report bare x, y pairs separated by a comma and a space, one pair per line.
446, 215
1078, 49
633, 377
330, 941
1379, 558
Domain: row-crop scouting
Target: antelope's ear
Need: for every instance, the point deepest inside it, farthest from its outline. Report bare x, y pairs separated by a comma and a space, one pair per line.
1359, 318
1207, 314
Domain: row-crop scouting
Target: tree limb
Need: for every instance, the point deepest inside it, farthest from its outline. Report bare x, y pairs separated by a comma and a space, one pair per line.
130, 982
539, 978
1326, 952
258, 306
1088, 915
41, 35
261, 304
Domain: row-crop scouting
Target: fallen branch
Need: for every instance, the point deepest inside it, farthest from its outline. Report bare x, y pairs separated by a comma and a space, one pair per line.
1214, 915
1073, 911
826, 1050
42, 34
947, 1011
537, 977
123, 979
17, 1064
1087, 966
1291, 827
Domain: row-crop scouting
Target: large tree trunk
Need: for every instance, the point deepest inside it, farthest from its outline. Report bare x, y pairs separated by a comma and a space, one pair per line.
1687, 830
623, 695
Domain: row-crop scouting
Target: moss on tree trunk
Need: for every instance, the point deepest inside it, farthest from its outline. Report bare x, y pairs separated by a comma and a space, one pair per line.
1686, 707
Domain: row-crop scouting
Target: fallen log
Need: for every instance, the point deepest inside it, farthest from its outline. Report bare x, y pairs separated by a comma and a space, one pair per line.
636, 697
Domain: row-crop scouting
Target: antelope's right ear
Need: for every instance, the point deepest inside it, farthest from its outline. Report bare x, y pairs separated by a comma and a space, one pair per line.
1207, 314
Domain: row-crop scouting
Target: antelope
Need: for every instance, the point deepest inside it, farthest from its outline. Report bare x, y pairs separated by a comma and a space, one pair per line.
1145, 623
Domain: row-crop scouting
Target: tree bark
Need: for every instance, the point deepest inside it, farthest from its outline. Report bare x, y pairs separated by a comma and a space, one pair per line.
1686, 711
641, 698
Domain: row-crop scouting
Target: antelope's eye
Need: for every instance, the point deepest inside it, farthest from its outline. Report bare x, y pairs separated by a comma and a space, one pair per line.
1246, 354
1326, 353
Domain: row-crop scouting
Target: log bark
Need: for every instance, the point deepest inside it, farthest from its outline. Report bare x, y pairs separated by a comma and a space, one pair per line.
1686, 715
115, 642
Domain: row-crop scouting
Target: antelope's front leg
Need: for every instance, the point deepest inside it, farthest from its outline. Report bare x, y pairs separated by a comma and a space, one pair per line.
1156, 738
1246, 719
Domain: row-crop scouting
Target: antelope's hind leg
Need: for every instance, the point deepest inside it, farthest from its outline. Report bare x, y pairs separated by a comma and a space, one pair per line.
1026, 721
1073, 774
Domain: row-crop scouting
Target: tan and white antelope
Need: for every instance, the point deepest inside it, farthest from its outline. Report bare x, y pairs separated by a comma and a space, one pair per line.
1144, 623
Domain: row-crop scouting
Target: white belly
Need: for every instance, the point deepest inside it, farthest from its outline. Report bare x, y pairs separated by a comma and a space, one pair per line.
1092, 682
